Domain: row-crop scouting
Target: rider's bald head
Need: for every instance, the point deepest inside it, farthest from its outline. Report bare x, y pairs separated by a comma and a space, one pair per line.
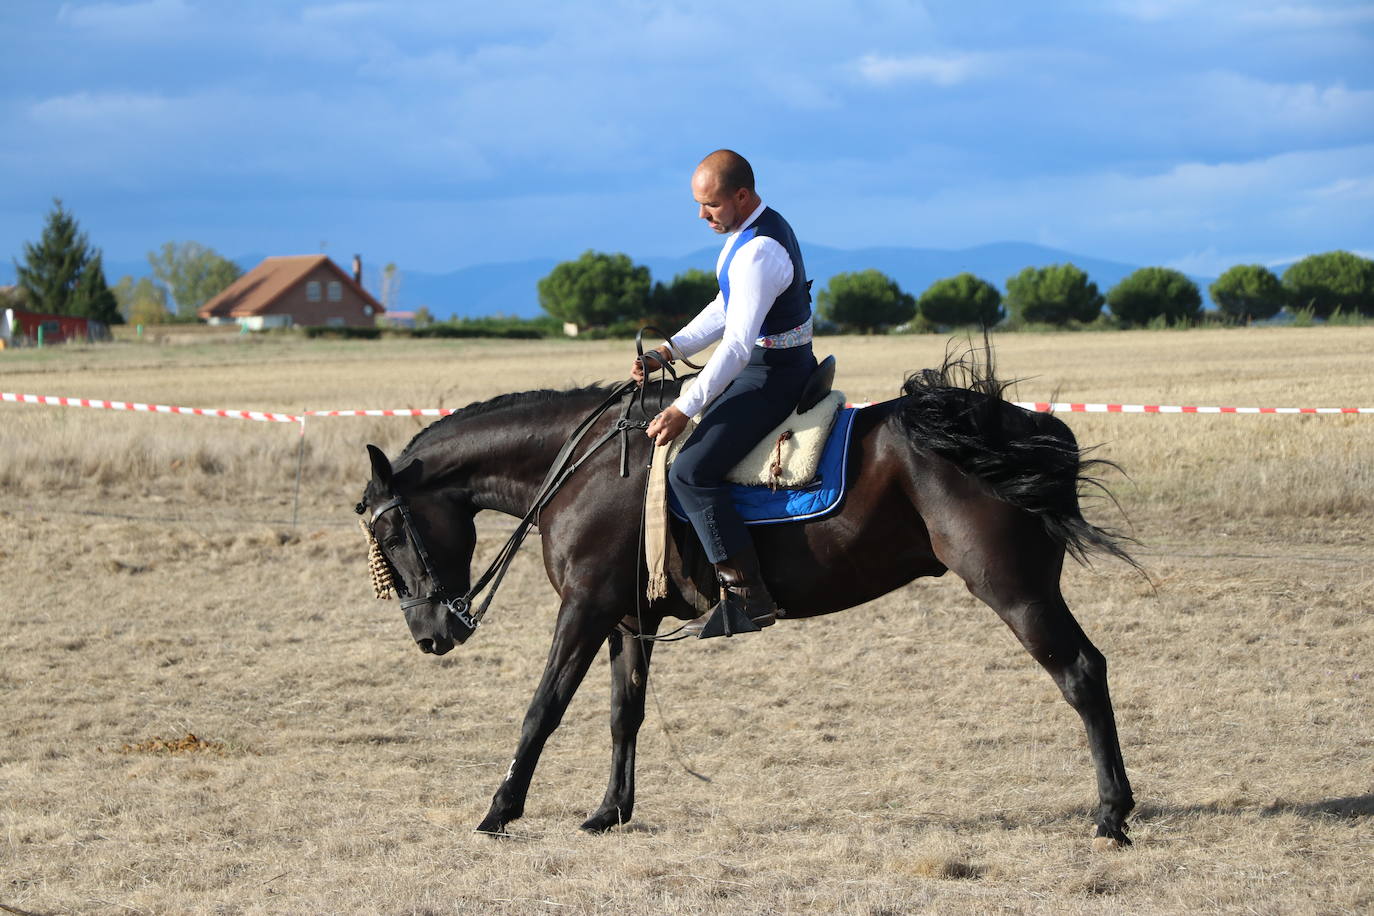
731, 170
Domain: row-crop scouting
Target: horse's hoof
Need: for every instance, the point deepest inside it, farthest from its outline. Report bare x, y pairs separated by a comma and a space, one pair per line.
492, 826
496, 833
1105, 843
604, 821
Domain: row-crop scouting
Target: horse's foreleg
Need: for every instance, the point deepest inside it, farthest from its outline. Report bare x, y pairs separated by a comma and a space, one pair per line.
629, 681
576, 639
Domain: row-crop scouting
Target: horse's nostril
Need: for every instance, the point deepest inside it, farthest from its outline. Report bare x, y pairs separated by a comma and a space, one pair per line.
426, 645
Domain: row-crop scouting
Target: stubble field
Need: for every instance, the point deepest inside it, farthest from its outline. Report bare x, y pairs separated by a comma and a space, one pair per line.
904, 756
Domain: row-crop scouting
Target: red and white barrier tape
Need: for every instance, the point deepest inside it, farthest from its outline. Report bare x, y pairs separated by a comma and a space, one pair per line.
1067, 407
1042, 406
149, 408
400, 412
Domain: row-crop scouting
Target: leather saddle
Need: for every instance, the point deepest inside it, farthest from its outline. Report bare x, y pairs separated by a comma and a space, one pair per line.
818, 385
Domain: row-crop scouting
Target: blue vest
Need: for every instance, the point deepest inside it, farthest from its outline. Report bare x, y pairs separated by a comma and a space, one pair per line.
793, 305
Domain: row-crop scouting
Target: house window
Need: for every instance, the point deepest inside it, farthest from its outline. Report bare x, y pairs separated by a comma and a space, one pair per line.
335, 291
334, 322
312, 291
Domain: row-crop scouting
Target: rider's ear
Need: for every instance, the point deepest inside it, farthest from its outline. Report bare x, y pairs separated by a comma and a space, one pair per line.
381, 467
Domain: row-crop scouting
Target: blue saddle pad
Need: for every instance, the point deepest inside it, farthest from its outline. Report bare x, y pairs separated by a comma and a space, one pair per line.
765, 506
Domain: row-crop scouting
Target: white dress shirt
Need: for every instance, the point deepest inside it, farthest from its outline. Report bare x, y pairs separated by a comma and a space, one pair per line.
759, 273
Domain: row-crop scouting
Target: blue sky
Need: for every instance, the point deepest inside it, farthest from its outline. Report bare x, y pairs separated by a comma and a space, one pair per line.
444, 134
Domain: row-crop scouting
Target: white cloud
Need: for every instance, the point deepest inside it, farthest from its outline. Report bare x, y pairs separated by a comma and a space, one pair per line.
1156, 10
1249, 13
105, 108
1211, 262
937, 69
134, 140
1348, 190
125, 18
1307, 17
1072, 139
1195, 214
342, 13
1217, 113
1265, 106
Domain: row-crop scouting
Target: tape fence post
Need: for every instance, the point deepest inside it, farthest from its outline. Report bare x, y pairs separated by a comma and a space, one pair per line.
300, 460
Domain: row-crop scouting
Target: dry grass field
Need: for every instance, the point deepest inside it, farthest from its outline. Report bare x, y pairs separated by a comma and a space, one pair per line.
202, 709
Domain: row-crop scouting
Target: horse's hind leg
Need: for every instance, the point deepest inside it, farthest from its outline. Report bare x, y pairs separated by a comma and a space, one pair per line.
1016, 572
1053, 637
629, 680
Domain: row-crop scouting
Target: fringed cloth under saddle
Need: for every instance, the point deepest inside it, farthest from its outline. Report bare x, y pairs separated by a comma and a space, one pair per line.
786, 457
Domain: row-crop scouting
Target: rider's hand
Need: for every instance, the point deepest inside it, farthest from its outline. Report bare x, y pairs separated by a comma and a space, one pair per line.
665, 355
667, 426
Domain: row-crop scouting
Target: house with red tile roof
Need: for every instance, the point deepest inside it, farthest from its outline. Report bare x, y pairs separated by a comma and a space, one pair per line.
295, 290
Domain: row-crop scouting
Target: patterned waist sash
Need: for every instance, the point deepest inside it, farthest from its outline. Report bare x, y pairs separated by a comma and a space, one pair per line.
799, 335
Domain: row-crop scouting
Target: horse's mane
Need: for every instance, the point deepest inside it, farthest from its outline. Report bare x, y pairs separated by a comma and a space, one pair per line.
445, 425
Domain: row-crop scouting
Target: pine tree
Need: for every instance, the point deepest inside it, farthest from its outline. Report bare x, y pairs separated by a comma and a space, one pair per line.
51, 268
62, 275
93, 297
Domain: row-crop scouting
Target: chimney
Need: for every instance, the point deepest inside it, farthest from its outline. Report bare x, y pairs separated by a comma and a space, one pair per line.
358, 269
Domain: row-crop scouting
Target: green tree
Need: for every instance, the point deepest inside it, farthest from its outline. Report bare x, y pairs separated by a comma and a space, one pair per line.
960, 300
423, 317
192, 274
141, 302
865, 300
93, 297
1248, 292
1330, 281
596, 290
1151, 292
1056, 294
672, 304
63, 275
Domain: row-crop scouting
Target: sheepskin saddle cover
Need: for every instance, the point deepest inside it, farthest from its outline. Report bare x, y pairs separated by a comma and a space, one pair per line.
789, 455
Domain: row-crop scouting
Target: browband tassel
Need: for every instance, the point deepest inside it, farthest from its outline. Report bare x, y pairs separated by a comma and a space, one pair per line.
377, 565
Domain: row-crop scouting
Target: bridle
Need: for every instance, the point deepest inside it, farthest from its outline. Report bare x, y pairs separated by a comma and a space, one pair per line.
461, 607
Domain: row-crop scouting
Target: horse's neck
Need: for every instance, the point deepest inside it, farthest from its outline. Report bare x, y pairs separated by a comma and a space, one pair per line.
501, 458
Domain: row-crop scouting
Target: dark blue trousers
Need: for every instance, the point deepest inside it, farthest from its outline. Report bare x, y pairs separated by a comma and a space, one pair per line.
763, 395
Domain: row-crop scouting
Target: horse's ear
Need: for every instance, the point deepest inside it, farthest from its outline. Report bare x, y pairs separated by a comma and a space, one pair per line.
381, 467
408, 476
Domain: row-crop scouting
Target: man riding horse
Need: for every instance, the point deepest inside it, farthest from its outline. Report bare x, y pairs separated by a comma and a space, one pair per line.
753, 380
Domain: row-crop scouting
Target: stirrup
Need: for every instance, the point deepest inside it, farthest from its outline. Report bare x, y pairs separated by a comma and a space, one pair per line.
727, 619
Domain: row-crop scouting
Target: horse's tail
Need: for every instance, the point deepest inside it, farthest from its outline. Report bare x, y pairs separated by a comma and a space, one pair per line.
1029, 459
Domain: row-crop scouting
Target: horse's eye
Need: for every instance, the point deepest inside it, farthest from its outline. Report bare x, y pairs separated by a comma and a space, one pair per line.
393, 541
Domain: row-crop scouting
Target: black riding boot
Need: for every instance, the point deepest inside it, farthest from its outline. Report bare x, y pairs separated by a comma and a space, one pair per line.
746, 606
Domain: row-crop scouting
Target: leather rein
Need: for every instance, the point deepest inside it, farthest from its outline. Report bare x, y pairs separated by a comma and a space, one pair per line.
460, 607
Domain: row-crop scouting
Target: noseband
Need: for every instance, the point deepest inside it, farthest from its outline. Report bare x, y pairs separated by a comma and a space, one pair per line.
460, 607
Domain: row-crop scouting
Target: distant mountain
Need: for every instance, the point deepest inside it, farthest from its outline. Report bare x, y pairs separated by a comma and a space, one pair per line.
510, 288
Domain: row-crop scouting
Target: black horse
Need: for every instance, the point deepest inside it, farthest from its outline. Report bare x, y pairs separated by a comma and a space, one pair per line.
948, 476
